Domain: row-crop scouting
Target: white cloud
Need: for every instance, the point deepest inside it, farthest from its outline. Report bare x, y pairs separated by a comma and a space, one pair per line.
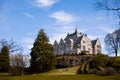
65, 23
29, 15
28, 42
106, 29
63, 17
45, 3
31, 33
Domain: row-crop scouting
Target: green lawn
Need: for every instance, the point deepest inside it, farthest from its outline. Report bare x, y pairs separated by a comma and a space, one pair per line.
60, 77
60, 74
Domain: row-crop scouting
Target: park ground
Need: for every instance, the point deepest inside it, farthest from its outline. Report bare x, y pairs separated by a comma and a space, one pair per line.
60, 74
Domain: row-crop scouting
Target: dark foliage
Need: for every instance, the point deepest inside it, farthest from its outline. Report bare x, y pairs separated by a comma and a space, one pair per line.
106, 71
99, 60
83, 53
42, 55
115, 63
84, 68
4, 59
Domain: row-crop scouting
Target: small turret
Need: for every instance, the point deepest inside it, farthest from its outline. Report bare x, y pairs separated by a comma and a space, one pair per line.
76, 31
68, 34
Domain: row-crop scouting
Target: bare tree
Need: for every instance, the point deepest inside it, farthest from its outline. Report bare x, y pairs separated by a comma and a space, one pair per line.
112, 6
12, 45
112, 42
18, 64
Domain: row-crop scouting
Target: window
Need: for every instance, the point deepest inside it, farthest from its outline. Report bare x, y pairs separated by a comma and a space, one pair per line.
83, 41
89, 49
84, 48
98, 46
98, 51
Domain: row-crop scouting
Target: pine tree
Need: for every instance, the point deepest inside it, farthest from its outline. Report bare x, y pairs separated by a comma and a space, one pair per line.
42, 55
4, 59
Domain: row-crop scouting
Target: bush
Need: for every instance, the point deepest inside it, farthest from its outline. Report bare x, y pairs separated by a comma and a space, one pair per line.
110, 71
87, 68
115, 63
107, 71
15, 71
83, 53
84, 68
93, 71
99, 60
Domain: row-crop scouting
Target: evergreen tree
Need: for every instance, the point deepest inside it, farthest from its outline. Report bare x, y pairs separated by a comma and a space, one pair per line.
42, 55
4, 59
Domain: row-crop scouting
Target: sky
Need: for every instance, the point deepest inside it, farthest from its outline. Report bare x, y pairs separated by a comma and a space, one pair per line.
21, 20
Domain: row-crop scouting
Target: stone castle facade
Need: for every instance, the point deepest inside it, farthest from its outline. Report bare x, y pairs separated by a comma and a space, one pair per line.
75, 43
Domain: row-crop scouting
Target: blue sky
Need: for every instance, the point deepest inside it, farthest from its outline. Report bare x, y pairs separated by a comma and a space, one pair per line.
21, 20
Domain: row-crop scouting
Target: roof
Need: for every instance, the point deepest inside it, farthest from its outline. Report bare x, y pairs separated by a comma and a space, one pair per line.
79, 39
55, 43
94, 42
75, 33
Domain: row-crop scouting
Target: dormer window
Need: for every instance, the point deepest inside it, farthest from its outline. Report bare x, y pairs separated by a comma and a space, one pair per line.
98, 46
83, 41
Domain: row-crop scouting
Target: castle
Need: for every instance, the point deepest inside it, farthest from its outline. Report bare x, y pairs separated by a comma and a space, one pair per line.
75, 43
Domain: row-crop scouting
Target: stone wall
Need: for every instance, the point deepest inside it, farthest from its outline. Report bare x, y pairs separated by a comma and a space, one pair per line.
70, 61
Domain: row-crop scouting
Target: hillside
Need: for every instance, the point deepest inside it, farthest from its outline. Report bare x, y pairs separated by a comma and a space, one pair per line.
63, 71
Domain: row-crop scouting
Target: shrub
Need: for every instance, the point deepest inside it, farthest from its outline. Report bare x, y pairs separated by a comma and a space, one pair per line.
107, 71
87, 68
99, 60
115, 63
15, 71
84, 68
93, 71
83, 53
110, 71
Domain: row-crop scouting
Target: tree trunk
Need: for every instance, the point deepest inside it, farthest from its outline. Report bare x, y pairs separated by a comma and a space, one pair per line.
115, 52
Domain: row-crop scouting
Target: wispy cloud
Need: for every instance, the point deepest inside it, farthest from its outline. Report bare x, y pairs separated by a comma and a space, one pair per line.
45, 3
63, 17
28, 42
106, 29
29, 15
65, 22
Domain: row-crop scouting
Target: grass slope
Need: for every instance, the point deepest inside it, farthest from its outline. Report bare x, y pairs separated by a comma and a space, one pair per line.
60, 74
64, 71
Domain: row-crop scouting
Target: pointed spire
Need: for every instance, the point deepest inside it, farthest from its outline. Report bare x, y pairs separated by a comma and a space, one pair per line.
76, 30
